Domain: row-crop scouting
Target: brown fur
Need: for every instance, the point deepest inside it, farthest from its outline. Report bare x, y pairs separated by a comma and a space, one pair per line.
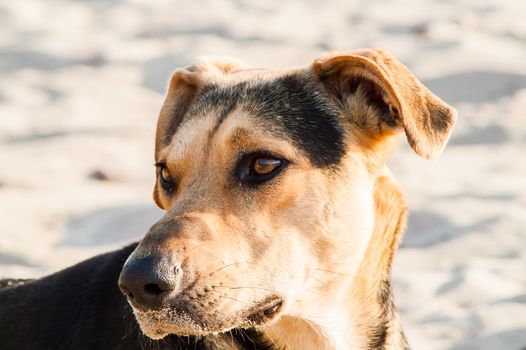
320, 237
371, 292
426, 119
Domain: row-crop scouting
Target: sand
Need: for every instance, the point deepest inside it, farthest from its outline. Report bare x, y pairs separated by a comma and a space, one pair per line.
81, 84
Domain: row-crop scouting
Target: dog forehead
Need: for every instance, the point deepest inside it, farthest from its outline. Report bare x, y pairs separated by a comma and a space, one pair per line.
291, 106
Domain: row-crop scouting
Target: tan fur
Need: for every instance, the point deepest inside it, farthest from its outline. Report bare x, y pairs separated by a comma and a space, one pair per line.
320, 240
375, 269
364, 307
426, 119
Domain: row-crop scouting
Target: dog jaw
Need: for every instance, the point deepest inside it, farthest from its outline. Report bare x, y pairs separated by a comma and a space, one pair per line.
157, 324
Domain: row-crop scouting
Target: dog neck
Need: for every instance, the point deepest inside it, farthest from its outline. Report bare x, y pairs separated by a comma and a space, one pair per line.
372, 309
368, 319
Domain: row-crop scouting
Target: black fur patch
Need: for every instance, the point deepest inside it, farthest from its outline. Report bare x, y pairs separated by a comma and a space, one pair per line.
13, 282
291, 106
251, 339
82, 307
378, 335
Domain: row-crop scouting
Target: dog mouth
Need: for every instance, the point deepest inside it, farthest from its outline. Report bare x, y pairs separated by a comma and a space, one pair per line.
157, 324
265, 311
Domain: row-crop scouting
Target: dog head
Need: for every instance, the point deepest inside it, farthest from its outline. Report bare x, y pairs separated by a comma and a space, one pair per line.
266, 179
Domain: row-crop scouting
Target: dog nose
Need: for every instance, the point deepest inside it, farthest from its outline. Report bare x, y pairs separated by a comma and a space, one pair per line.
148, 281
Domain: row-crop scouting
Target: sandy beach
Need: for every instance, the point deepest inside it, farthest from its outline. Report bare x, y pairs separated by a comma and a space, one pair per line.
81, 84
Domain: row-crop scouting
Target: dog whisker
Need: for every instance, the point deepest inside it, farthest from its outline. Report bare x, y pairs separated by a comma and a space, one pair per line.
335, 272
243, 334
320, 281
231, 298
245, 287
239, 301
228, 265
272, 341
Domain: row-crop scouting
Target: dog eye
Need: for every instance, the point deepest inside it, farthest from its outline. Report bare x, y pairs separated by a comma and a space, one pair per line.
264, 166
167, 183
256, 169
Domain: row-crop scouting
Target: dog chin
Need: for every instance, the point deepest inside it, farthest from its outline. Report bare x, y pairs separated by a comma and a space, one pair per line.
157, 324
154, 333
157, 331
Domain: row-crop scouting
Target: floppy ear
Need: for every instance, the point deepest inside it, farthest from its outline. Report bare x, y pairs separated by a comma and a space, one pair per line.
182, 89
380, 95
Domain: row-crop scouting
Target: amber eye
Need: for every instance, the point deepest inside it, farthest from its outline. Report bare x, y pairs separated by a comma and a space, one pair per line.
257, 168
165, 178
264, 166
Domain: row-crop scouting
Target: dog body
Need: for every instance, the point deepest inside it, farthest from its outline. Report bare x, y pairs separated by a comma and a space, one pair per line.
280, 212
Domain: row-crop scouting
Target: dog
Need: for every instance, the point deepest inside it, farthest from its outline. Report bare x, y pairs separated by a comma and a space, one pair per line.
280, 213
281, 217
82, 308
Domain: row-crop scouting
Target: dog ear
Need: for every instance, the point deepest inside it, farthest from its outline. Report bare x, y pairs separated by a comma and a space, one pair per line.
380, 95
184, 86
182, 89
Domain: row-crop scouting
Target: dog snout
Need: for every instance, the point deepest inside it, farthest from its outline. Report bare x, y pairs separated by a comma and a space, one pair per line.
149, 281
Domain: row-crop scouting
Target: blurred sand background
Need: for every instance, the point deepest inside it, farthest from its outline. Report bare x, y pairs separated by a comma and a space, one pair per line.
81, 84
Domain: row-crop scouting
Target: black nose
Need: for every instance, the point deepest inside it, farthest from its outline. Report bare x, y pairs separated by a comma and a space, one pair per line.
148, 281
